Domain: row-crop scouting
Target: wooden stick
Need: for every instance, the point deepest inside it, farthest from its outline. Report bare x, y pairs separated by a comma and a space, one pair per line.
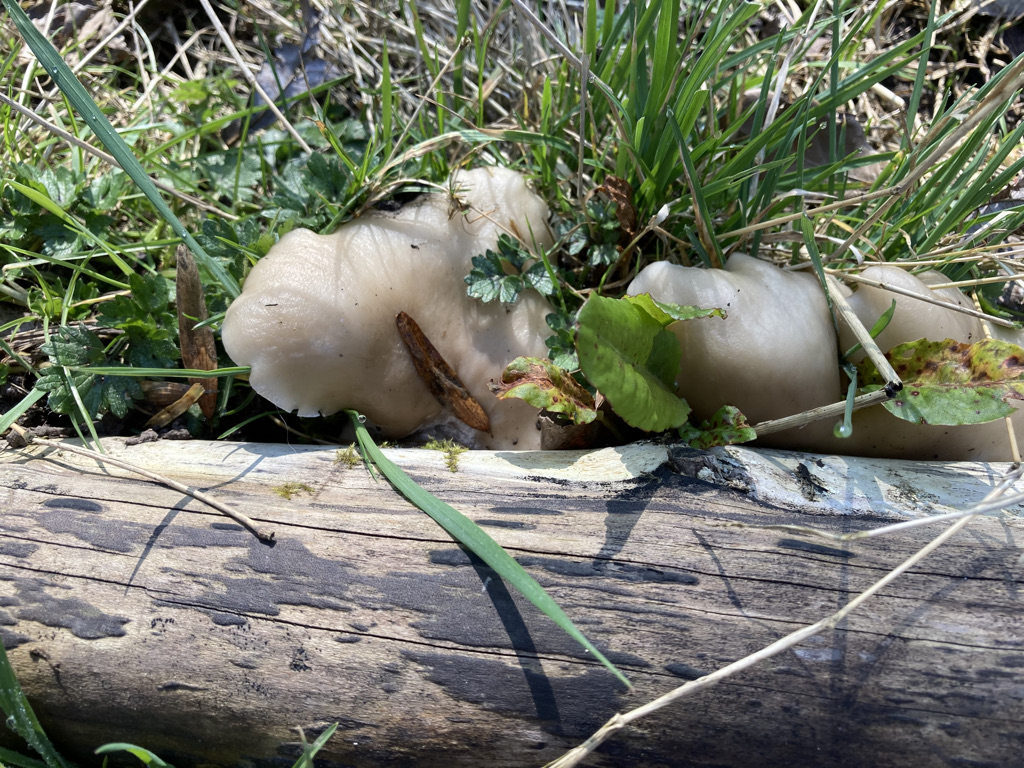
817, 414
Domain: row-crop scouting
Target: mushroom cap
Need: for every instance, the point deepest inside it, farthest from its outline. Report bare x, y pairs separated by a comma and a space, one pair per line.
316, 318
773, 355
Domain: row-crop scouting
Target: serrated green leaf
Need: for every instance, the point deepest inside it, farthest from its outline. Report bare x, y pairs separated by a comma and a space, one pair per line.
151, 292
727, 427
630, 357
73, 345
548, 387
950, 383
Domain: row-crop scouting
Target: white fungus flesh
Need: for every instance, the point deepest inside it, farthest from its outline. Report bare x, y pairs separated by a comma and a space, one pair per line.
316, 318
773, 355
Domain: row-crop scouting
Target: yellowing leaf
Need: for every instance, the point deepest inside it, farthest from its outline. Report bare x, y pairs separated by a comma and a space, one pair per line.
546, 386
951, 383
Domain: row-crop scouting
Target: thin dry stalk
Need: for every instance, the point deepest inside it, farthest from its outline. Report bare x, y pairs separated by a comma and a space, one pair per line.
244, 520
893, 383
928, 299
833, 411
109, 159
620, 721
1011, 83
250, 77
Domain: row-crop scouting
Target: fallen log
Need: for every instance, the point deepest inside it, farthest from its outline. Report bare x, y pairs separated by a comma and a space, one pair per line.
132, 612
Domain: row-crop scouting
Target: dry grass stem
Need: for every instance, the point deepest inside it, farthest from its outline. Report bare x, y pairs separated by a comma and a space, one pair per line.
245, 521
109, 159
893, 383
847, 202
250, 77
833, 411
849, 276
1012, 82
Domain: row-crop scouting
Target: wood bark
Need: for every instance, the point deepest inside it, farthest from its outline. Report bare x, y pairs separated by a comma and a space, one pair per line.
134, 613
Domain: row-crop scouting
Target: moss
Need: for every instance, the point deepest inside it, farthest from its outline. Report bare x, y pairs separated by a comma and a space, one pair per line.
290, 489
451, 451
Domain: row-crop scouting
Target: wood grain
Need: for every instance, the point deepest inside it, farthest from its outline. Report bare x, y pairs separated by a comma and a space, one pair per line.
132, 613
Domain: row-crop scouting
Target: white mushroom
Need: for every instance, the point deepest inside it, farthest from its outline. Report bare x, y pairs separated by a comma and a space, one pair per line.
316, 318
773, 355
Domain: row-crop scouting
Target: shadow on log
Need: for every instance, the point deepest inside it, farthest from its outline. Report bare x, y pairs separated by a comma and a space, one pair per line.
134, 613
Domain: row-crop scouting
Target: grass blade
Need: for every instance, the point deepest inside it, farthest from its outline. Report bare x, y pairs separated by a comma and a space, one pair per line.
20, 717
75, 92
475, 539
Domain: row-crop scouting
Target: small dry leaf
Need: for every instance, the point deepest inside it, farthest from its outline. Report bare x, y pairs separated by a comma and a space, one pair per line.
444, 384
163, 393
621, 193
198, 347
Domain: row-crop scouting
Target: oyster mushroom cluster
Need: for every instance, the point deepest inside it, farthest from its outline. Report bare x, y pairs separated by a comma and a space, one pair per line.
776, 353
316, 318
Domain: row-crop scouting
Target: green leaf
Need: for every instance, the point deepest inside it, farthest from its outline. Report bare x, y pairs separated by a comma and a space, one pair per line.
628, 355
666, 313
73, 345
499, 274
309, 751
546, 386
475, 539
950, 383
562, 345
488, 280
144, 755
727, 427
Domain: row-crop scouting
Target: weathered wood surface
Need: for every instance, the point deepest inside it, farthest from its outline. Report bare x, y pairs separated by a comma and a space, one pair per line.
135, 614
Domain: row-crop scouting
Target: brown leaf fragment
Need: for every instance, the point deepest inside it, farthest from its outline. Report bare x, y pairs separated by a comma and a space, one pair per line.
620, 192
444, 384
198, 348
175, 409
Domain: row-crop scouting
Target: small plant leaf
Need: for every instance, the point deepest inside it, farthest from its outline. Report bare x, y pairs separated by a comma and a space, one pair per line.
546, 386
666, 313
501, 275
628, 355
951, 383
727, 427
475, 539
